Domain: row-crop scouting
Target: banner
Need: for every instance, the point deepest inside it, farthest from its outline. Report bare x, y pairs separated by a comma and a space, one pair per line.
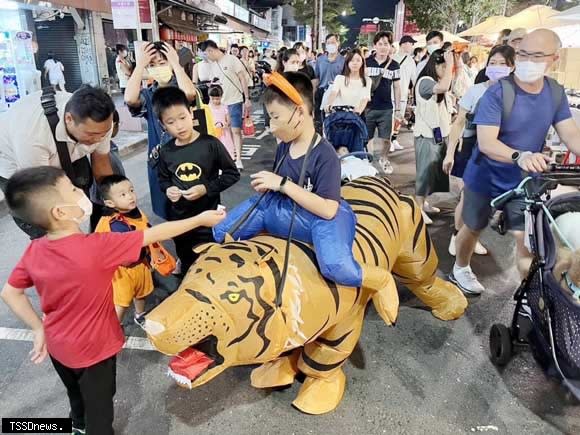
124, 14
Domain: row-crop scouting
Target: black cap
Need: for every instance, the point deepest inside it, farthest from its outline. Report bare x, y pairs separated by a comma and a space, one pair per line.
407, 38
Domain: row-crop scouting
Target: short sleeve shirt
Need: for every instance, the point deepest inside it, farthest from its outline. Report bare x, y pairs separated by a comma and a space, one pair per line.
55, 71
322, 175
525, 130
227, 70
73, 277
327, 70
351, 93
469, 103
389, 71
25, 146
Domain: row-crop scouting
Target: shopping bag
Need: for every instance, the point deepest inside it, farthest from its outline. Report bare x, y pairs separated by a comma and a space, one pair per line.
202, 115
249, 128
161, 260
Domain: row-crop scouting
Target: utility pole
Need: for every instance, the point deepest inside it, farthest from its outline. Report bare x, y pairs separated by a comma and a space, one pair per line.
320, 19
314, 31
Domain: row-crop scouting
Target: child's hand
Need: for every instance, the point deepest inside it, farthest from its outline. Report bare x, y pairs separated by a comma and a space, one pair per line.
264, 180
38, 352
194, 192
211, 218
173, 193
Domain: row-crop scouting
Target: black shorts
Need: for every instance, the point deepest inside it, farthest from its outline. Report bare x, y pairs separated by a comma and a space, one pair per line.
477, 211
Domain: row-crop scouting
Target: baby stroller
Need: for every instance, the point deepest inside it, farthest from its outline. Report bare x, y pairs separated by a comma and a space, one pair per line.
344, 128
546, 316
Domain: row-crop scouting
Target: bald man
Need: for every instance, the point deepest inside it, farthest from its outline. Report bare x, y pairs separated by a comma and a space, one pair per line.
508, 146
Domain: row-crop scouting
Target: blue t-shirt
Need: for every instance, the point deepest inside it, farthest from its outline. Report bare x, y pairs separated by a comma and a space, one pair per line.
322, 175
524, 130
326, 70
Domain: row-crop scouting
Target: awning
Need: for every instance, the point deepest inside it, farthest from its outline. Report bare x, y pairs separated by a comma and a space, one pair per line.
178, 24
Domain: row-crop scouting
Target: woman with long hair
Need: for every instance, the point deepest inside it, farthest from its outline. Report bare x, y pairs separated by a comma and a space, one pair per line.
432, 127
288, 61
462, 138
352, 87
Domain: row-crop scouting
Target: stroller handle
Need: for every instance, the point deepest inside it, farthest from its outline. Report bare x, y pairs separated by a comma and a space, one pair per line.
342, 108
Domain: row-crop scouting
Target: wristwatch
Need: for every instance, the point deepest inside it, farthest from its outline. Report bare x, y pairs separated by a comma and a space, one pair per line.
282, 184
516, 156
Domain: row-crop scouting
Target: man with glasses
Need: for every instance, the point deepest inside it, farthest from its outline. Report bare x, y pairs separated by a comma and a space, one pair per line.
509, 142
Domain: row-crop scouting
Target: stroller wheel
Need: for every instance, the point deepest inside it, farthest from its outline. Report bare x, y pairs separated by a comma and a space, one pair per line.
500, 344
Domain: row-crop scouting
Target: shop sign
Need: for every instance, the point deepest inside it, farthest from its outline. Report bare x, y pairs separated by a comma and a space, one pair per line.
124, 14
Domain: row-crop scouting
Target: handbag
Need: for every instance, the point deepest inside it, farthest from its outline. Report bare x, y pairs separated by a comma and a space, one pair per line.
161, 260
249, 128
202, 114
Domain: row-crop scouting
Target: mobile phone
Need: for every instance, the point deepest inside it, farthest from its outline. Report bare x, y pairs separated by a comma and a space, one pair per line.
437, 136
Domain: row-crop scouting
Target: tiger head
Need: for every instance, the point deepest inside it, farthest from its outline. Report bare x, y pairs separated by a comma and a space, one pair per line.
219, 315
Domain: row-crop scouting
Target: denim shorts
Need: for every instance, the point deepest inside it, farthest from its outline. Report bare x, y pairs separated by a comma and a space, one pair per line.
236, 112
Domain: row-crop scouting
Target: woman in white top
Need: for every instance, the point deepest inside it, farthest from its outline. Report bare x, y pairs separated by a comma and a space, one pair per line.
123, 67
462, 139
432, 127
54, 72
352, 87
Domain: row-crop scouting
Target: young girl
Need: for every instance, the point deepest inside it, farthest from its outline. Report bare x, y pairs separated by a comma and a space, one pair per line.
500, 64
221, 119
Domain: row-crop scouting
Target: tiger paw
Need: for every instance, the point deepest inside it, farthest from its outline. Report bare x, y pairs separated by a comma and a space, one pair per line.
277, 373
386, 296
319, 396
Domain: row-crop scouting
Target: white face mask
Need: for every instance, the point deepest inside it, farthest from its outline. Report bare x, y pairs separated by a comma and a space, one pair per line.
85, 205
161, 74
530, 72
433, 47
331, 48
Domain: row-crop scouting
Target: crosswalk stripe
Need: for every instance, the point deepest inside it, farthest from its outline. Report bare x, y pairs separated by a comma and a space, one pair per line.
17, 334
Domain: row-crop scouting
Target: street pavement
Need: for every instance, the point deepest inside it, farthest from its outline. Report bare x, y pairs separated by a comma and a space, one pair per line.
423, 376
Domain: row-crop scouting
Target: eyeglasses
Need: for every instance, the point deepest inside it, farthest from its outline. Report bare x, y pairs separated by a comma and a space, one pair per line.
522, 54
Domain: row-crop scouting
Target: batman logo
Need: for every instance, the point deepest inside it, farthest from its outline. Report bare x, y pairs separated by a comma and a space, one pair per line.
188, 172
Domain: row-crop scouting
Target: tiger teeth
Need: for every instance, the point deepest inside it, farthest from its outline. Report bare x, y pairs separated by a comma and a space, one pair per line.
180, 379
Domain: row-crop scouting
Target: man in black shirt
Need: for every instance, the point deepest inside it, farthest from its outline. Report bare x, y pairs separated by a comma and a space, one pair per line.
384, 73
189, 168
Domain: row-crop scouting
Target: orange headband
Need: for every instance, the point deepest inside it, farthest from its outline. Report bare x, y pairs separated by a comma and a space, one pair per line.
279, 81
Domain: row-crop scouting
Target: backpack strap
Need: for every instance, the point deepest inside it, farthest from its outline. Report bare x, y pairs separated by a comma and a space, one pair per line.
557, 91
508, 92
48, 102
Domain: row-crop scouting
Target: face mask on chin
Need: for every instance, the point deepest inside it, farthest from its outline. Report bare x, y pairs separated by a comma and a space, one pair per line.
530, 72
161, 74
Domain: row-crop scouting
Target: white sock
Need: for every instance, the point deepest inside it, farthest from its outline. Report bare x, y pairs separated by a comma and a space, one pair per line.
457, 268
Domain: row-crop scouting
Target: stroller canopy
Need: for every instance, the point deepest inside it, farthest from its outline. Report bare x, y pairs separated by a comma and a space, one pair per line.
346, 129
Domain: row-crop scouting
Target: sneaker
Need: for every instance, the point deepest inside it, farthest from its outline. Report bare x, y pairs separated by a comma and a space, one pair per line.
139, 319
396, 146
392, 148
426, 218
428, 208
451, 249
479, 248
466, 280
239, 165
177, 270
386, 166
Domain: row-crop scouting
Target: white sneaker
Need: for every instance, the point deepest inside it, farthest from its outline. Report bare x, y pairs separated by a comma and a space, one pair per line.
177, 270
392, 148
480, 249
426, 218
452, 250
396, 146
239, 165
386, 165
428, 208
466, 280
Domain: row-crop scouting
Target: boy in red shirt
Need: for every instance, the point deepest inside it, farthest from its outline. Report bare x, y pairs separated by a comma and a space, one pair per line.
72, 273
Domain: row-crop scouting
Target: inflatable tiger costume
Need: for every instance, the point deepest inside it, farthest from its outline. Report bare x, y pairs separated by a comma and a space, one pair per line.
225, 312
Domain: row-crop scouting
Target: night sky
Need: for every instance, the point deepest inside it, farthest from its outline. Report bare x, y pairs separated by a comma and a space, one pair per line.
367, 9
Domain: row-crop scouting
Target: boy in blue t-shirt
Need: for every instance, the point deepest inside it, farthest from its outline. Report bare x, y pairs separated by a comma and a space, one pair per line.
322, 218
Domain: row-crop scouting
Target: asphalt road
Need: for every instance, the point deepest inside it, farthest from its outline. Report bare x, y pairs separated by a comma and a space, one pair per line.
422, 376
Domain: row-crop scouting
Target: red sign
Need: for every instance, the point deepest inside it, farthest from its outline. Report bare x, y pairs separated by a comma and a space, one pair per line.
409, 27
369, 28
167, 34
144, 12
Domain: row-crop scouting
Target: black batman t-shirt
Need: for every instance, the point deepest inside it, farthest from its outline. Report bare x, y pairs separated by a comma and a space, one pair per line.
199, 162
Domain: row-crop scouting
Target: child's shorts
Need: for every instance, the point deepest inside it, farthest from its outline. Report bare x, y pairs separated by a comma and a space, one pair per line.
132, 283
